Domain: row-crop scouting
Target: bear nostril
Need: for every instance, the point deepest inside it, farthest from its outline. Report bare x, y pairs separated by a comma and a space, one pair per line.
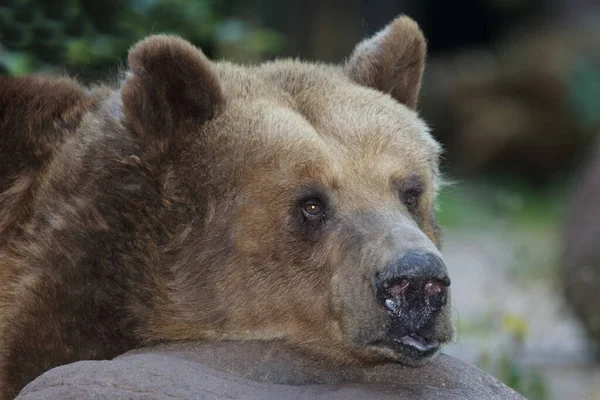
435, 293
396, 288
433, 288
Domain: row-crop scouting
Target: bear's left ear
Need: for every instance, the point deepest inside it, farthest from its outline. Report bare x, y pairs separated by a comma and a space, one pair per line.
392, 61
171, 83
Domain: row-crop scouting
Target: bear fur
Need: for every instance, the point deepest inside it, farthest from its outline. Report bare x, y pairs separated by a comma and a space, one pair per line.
173, 207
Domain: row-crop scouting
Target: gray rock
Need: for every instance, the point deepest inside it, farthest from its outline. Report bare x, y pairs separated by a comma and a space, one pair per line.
257, 370
581, 258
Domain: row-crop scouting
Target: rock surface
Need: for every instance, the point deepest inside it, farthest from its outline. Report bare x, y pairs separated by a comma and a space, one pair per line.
254, 370
581, 259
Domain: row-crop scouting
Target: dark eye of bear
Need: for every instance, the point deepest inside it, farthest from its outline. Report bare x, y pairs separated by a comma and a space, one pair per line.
313, 210
411, 201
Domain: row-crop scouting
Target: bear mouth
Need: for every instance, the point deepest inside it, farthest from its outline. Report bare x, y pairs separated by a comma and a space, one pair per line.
413, 346
417, 346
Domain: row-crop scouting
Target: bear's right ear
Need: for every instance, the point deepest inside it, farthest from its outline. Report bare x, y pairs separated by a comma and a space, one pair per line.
171, 83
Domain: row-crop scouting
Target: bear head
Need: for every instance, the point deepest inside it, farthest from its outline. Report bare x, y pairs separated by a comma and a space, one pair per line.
308, 193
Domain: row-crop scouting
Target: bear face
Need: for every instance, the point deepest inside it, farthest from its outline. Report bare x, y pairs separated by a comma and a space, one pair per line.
285, 201
315, 210
306, 172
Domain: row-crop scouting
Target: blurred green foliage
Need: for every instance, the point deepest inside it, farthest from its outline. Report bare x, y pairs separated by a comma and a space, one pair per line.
584, 91
502, 200
89, 37
508, 366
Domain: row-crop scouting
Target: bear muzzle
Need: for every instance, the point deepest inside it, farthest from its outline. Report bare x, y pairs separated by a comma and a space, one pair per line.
413, 289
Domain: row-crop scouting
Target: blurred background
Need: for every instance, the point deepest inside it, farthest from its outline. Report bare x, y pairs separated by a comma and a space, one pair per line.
512, 90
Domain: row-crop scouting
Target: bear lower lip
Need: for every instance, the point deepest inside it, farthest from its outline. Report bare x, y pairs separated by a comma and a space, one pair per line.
417, 345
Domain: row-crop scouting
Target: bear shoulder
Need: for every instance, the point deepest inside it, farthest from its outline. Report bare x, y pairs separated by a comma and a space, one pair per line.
36, 115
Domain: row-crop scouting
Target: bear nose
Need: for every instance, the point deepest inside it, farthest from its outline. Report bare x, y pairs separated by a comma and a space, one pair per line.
414, 279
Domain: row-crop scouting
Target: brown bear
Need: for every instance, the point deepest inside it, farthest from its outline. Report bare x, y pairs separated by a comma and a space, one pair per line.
285, 201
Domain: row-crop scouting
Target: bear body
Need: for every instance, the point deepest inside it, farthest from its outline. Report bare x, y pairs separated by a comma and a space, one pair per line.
210, 201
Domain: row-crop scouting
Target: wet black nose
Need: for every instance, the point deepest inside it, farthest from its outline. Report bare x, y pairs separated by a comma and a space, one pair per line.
414, 290
413, 281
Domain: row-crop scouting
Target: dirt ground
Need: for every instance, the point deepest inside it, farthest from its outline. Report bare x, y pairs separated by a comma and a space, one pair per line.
508, 305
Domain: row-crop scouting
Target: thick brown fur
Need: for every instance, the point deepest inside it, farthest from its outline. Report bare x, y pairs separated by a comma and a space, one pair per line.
28, 144
168, 208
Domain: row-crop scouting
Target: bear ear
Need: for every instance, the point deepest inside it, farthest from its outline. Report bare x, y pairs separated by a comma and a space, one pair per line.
391, 61
171, 82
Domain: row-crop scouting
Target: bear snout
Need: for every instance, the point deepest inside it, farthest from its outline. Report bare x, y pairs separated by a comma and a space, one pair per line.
414, 277
413, 289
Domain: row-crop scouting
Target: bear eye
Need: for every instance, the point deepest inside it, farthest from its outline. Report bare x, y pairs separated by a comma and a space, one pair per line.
410, 191
411, 201
313, 209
